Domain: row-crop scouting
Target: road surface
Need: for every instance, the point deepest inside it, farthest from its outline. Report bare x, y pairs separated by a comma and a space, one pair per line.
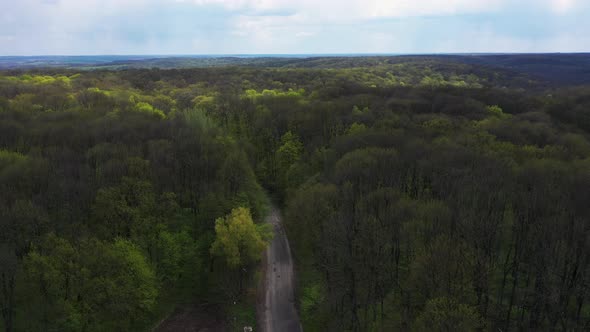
279, 313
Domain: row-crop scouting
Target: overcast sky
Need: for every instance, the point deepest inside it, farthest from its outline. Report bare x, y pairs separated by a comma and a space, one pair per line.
79, 27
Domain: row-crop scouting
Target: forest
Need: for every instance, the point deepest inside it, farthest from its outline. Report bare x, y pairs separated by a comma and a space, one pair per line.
419, 193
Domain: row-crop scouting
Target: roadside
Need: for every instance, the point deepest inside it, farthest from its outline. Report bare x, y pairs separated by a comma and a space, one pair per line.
275, 296
194, 318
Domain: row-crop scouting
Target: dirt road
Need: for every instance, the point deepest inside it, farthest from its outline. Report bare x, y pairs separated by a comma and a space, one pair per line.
279, 313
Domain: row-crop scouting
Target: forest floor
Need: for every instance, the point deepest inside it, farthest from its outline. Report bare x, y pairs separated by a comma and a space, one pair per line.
278, 309
193, 319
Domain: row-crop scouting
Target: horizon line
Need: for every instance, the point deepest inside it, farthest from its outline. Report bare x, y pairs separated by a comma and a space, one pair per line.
289, 54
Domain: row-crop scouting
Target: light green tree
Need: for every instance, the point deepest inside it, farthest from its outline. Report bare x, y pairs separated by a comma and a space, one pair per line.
238, 240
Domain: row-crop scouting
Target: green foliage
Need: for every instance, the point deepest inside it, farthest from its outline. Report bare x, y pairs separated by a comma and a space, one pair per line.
144, 107
174, 253
356, 111
311, 298
356, 128
204, 102
25, 103
497, 111
287, 155
125, 210
290, 150
433, 81
9, 158
240, 185
46, 79
267, 93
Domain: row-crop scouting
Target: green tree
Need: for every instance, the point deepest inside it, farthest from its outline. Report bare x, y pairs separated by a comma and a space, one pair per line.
51, 283
20, 225
287, 155
125, 210
94, 286
238, 240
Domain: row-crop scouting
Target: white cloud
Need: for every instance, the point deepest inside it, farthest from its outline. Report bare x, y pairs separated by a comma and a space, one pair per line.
359, 8
311, 16
563, 6
241, 4
363, 9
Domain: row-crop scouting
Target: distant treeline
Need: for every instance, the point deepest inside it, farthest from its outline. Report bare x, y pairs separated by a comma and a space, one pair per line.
553, 69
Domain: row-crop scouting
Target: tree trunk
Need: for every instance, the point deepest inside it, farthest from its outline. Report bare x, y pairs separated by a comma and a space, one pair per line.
8, 299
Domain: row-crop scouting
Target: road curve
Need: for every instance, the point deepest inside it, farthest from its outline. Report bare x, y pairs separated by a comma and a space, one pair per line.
279, 313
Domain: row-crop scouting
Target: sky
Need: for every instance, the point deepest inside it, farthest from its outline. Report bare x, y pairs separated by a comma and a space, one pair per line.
172, 27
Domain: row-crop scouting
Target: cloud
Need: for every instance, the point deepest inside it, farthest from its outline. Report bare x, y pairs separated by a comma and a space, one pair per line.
289, 26
312, 16
363, 9
563, 6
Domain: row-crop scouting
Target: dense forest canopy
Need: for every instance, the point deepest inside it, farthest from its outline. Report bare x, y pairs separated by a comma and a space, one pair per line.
419, 193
